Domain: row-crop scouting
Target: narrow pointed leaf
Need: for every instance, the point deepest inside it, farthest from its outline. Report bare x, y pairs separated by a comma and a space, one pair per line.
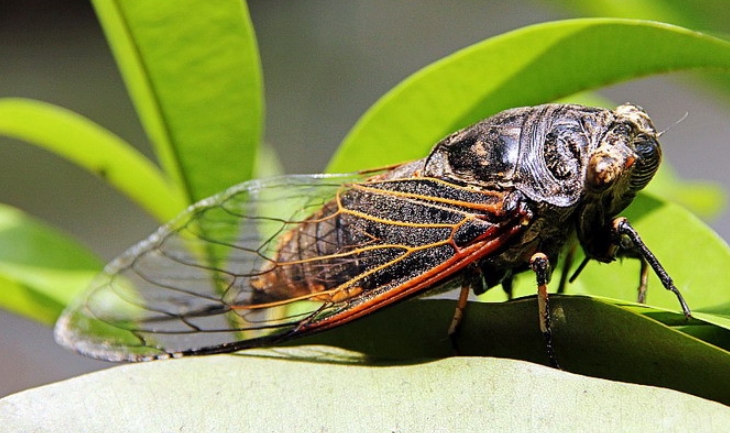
93, 148
41, 270
192, 69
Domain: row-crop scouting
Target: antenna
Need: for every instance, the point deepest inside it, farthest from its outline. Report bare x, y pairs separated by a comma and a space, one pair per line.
681, 119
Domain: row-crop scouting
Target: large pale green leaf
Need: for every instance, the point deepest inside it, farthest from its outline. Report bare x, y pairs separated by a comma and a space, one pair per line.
41, 270
531, 65
93, 148
255, 393
192, 69
403, 387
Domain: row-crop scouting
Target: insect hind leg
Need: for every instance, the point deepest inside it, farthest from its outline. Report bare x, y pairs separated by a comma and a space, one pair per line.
472, 281
459, 313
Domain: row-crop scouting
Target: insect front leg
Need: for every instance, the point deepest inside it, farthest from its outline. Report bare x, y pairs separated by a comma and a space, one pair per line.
540, 264
622, 229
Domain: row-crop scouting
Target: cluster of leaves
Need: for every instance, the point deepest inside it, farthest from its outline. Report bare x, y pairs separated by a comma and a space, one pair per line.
199, 97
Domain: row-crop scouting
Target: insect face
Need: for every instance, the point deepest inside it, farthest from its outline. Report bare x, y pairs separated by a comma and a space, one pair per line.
622, 163
627, 157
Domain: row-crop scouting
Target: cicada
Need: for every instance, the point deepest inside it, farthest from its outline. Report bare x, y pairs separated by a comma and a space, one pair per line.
271, 260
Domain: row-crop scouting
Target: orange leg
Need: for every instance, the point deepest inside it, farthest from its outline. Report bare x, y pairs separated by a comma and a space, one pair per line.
459, 315
541, 266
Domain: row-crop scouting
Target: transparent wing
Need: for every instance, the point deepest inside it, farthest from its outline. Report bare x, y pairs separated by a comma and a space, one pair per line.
178, 289
269, 260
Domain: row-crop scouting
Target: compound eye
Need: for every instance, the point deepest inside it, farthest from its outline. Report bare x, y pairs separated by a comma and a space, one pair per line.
649, 157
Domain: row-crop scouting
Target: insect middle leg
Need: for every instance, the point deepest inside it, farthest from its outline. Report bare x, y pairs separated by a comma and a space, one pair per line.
541, 266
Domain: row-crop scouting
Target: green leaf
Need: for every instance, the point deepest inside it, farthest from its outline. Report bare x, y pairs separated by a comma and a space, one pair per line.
250, 393
709, 16
192, 69
704, 198
705, 15
531, 65
41, 270
267, 163
711, 328
639, 9
591, 337
93, 148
